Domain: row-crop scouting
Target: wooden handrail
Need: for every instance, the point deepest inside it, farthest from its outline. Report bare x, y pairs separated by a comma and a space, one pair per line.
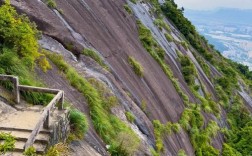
38, 89
15, 82
6, 77
44, 119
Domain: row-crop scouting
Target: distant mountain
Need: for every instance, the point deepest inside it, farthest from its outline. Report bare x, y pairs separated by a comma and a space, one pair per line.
223, 15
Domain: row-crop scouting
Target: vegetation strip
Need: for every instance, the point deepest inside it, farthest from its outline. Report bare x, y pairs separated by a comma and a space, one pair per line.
158, 53
226, 87
190, 74
110, 128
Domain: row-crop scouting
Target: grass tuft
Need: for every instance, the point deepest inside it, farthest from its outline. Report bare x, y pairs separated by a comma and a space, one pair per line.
51, 4
8, 143
92, 54
128, 9
168, 37
130, 117
136, 66
78, 123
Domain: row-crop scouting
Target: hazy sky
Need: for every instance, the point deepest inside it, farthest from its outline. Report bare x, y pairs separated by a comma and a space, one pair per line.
212, 4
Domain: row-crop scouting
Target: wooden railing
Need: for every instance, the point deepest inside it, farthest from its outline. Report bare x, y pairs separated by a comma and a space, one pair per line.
15, 82
44, 119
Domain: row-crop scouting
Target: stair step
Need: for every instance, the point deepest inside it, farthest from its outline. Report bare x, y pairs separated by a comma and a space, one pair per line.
23, 136
42, 131
13, 154
19, 147
36, 141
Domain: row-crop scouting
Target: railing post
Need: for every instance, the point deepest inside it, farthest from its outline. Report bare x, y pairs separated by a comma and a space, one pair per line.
15, 82
46, 123
61, 101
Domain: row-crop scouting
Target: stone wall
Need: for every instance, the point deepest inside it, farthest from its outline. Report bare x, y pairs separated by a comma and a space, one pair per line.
59, 127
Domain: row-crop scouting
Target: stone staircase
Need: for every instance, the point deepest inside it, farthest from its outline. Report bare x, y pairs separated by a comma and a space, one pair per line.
20, 124
37, 126
22, 135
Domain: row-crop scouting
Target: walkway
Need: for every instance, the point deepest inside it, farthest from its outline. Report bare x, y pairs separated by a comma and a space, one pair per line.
30, 125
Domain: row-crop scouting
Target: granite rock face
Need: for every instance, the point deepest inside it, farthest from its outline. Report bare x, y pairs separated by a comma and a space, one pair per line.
105, 26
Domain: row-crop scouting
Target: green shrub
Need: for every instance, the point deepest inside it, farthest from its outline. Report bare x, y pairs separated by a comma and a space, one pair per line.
222, 96
193, 121
60, 11
160, 52
181, 152
117, 150
175, 127
60, 149
44, 64
214, 107
78, 123
92, 54
144, 105
137, 67
31, 151
130, 117
128, 9
52, 152
109, 100
167, 128
212, 129
19, 52
188, 74
223, 82
168, 37
154, 153
208, 150
185, 119
229, 151
188, 69
161, 24
19, 34
196, 87
240, 132
8, 143
134, 1
185, 45
203, 65
51, 4
160, 130
156, 7
127, 143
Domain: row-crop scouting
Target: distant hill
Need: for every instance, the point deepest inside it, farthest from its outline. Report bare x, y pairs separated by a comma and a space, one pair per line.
222, 15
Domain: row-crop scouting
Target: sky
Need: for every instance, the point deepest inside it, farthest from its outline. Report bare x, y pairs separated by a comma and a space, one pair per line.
213, 4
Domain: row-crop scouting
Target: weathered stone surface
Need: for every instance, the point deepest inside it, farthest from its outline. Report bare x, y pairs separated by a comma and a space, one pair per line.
4, 108
59, 127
